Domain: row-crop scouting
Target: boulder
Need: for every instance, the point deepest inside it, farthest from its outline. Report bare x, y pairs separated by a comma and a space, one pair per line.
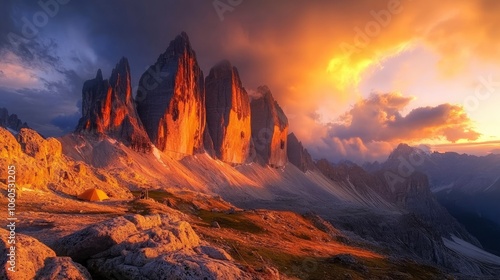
62, 268
94, 239
148, 247
34, 260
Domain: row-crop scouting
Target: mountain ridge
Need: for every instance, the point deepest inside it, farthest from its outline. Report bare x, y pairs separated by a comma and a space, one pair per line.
269, 168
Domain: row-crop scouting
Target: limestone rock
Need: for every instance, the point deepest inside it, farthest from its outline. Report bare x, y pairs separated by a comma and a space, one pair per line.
109, 109
148, 247
44, 167
269, 128
37, 147
297, 155
216, 253
94, 239
62, 268
34, 260
228, 113
171, 100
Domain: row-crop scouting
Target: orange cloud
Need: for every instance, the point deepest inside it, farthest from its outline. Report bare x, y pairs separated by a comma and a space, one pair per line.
379, 118
301, 53
374, 126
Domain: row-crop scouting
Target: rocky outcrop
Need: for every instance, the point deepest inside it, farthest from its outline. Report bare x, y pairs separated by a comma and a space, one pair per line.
171, 100
228, 113
413, 194
108, 108
44, 167
269, 128
34, 260
417, 223
297, 155
11, 121
152, 247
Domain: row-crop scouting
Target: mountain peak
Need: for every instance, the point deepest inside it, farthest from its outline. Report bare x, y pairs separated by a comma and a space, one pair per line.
98, 76
402, 150
11, 122
179, 45
223, 65
173, 109
121, 74
123, 64
264, 91
108, 108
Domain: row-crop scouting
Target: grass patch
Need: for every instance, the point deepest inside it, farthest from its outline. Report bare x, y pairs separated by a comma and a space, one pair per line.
236, 221
291, 265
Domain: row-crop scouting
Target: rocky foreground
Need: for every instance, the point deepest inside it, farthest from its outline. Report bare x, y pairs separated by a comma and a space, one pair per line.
205, 147
186, 235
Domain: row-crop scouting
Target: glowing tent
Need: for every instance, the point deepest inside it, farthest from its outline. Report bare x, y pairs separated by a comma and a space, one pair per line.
93, 195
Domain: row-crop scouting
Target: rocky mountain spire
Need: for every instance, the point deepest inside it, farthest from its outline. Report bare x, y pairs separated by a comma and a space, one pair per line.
108, 108
11, 121
171, 100
297, 155
269, 128
228, 113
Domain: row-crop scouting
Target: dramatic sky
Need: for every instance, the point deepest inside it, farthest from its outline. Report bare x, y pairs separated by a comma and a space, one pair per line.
354, 77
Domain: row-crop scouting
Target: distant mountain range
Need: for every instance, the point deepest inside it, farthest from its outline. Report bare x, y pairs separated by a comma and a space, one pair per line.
467, 186
11, 122
206, 134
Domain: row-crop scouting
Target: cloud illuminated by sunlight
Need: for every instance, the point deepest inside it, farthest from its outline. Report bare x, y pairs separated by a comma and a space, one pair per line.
346, 73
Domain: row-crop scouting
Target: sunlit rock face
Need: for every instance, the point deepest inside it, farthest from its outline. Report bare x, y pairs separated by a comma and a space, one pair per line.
269, 128
108, 109
171, 100
45, 167
297, 155
228, 113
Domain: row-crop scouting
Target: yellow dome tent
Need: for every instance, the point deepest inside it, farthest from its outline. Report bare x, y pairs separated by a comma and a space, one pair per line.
93, 195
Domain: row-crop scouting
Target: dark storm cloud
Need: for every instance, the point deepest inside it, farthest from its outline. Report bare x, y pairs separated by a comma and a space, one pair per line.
108, 29
287, 45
